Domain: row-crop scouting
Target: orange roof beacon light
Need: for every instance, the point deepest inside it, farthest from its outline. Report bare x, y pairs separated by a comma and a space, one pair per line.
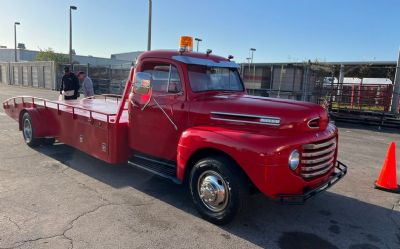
186, 44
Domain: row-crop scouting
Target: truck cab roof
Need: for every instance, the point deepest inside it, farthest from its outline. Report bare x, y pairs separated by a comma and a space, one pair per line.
169, 54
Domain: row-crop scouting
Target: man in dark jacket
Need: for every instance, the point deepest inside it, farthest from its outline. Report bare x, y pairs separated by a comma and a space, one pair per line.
69, 85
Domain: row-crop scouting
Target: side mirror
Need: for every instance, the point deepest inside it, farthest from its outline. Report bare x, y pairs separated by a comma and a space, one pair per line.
142, 89
142, 83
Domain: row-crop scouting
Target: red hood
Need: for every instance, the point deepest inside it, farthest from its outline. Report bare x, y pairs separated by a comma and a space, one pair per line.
252, 112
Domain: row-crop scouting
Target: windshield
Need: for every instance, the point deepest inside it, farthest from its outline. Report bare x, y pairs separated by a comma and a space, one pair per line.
203, 78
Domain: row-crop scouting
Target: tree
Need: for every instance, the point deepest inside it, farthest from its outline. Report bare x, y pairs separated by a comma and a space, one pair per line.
50, 55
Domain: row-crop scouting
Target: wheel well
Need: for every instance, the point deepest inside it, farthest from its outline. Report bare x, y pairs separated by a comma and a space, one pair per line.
21, 114
207, 152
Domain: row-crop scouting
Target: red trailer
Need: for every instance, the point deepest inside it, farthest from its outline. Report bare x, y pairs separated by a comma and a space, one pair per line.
186, 116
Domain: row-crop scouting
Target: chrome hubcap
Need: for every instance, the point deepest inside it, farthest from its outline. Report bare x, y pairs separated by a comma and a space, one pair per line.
213, 190
27, 130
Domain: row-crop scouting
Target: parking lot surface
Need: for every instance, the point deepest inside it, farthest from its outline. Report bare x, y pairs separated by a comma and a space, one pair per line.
58, 197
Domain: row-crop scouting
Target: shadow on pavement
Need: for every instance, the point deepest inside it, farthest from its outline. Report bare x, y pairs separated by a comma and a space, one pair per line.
327, 221
360, 126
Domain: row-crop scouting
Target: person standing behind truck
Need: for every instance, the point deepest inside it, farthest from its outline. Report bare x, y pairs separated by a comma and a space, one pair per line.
87, 84
69, 85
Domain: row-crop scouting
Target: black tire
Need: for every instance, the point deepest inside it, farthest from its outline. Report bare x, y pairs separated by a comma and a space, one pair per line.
223, 171
48, 141
28, 131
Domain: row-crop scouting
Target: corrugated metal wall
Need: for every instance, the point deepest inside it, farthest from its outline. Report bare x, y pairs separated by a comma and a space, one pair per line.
40, 74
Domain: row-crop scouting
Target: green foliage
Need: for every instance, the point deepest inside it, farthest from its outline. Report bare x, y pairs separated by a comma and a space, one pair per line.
50, 55
321, 68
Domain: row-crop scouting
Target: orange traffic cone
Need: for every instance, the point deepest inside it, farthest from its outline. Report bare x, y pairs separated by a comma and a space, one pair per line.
387, 179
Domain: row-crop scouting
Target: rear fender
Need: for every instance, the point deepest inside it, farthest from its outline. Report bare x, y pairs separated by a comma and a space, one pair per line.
42, 122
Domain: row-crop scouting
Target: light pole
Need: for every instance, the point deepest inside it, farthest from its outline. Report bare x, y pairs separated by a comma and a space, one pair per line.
254, 67
15, 40
198, 40
248, 62
70, 32
149, 28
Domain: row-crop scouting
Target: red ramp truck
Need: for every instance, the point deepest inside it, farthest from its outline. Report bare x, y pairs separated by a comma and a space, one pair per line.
186, 116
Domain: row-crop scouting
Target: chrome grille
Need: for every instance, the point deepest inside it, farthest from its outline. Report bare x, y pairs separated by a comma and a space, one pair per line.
318, 158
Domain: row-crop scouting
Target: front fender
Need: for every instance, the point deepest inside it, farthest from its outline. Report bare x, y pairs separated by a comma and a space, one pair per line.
262, 157
232, 142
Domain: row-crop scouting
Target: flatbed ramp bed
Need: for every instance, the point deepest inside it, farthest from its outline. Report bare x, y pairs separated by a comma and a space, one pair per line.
92, 125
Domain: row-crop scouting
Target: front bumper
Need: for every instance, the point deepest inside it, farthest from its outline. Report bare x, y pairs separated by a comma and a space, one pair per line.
340, 172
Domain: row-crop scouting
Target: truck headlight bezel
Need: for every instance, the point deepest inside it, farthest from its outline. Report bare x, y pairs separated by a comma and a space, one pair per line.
294, 159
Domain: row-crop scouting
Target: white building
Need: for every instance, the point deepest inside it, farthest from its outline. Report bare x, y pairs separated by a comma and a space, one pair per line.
130, 56
23, 55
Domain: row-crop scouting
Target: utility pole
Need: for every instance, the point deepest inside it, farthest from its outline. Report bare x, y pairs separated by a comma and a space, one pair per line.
149, 28
396, 89
15, 40
70, 32
198, 40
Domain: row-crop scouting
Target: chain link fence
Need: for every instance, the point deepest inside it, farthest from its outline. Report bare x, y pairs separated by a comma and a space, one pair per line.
106, 79
361, 87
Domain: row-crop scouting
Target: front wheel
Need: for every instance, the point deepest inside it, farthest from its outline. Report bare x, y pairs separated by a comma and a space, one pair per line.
28, 131
218, 189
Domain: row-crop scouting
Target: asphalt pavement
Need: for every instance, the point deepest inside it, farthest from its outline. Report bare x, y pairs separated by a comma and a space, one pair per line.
58, 197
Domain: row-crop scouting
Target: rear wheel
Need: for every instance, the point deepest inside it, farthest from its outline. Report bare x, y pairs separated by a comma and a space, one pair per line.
28, 131
218, 189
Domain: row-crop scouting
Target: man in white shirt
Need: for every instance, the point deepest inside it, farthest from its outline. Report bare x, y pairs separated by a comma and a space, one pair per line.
87, 84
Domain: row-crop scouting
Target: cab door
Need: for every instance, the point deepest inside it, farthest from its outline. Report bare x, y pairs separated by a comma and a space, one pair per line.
156, 126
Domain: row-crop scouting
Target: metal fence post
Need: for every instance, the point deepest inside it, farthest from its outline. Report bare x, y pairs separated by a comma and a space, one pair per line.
332, 91
340, 82
305, 82
396, 89
271, 82
9, 73
280, 81
109, 78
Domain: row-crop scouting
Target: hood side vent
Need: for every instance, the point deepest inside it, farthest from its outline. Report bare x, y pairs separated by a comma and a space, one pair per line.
313, 123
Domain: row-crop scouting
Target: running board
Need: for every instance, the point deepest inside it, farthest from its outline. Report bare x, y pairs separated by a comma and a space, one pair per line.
155, 166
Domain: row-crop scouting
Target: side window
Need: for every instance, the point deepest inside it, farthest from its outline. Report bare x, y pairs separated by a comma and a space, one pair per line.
165, 77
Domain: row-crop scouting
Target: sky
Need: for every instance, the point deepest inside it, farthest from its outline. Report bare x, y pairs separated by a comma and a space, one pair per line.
280, 30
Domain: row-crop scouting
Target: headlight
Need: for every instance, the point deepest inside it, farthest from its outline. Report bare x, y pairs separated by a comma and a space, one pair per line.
294, 159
